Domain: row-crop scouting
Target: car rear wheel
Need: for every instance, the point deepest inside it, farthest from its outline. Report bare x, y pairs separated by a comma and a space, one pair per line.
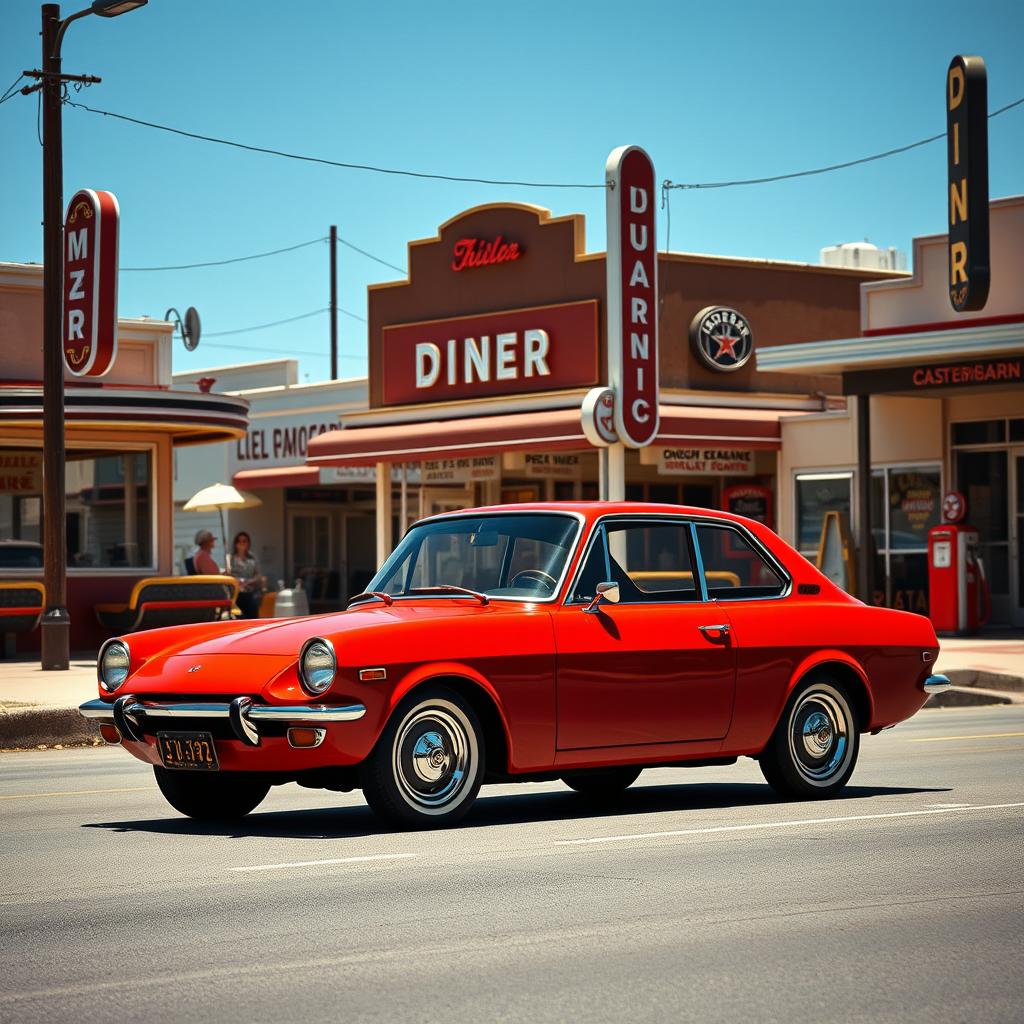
599, 783
813, 751
211, 796
428, 764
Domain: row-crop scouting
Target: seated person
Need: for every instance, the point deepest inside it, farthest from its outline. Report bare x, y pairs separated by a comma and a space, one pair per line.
202, 558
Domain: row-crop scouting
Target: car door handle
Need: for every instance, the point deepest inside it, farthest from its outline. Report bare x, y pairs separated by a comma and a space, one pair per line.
718, 632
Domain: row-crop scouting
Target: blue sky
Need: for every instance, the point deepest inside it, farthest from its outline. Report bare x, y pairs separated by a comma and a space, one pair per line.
531, 91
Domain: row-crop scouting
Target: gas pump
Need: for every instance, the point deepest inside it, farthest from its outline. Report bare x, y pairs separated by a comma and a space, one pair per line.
958, 598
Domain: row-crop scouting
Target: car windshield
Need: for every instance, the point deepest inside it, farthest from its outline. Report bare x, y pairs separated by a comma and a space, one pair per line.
518, 555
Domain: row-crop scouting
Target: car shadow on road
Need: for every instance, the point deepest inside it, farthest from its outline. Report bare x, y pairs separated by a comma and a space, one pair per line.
510, 809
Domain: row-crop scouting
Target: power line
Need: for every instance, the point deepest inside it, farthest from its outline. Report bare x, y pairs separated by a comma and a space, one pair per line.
831, 167
291, 351
369, 255
323, 160
9, 93
278, 323
236, 259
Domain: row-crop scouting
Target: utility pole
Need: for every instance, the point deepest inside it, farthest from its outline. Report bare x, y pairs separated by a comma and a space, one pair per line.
334, 302
56, 623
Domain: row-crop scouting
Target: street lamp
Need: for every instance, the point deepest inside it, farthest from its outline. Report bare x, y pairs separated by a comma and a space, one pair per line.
56, 622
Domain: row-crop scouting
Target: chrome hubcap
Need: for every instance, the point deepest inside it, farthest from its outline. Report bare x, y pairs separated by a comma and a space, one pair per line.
819, 735
433, 757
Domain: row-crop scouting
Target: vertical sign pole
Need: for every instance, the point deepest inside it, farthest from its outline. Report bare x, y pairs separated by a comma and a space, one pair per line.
334, 302
865, 558
56, 623
632, 306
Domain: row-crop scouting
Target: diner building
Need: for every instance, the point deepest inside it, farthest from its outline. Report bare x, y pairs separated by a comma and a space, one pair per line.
480, 359
123, 432
933, 403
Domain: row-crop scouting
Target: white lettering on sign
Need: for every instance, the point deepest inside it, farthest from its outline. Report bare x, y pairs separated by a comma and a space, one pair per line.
78, 245
281, 445
76, 321
502, 357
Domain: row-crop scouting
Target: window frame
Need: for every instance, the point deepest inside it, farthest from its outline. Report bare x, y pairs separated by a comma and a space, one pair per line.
599, 532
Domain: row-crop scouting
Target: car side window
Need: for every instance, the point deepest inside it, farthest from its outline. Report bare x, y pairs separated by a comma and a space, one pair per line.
651, 562
733, 568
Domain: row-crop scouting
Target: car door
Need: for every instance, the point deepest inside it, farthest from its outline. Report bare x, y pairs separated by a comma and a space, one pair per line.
658, 666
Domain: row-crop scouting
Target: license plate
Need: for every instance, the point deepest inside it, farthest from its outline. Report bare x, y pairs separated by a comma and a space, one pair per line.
193, 751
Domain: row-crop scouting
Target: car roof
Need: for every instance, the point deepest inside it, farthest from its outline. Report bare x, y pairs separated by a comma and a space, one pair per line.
591, 510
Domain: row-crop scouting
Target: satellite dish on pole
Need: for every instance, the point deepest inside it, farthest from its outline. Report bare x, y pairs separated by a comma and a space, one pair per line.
190, 326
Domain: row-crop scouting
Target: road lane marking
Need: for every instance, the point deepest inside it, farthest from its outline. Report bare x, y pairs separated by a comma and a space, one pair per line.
973, 736
329, 860
780, 824
77, 792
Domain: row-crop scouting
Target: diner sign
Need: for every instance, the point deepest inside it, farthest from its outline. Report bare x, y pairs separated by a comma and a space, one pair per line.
89, 326
470, 469
21, 472
545, 348
632, 284
703, 461
967, 152
482, 252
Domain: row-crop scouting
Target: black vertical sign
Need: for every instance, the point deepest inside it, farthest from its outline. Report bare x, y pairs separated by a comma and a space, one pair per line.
967, 143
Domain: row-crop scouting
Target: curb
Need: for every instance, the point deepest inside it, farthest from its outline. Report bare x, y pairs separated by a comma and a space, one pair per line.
972, 697
37, 727
986, 680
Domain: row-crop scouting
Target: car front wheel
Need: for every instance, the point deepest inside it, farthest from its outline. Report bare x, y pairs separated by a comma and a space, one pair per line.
813, 751
211, 796
428, 764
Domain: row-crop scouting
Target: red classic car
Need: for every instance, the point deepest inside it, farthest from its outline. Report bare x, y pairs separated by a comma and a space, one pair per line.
580, 641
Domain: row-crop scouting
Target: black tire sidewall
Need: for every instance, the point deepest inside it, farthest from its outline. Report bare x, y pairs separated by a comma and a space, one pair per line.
377, 773
777, 760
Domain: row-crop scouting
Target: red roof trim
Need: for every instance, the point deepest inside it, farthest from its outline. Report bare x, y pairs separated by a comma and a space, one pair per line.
946, 325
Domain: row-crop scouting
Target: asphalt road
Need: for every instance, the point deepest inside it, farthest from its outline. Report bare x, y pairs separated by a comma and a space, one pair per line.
696, 896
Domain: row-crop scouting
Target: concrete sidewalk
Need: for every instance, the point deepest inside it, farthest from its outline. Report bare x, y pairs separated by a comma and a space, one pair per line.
40, 708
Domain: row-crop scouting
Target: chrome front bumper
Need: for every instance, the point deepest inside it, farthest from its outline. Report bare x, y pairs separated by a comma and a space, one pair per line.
129, 713
936, 684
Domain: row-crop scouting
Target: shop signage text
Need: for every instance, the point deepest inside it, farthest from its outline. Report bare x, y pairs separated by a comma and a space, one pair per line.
543, 465
921, 378
460, 471
90, 283
518, 351
479, 252
21, 472
721, 338
632, 295
700, 461
967, 149
283, 444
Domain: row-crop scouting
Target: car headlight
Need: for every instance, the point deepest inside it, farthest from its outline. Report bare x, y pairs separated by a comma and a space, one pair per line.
317, 665
113, 665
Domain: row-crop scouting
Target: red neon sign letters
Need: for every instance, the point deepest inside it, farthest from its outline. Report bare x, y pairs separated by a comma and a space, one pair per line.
479, 252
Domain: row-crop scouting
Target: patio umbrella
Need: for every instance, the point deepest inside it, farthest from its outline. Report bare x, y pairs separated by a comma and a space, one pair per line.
218, 497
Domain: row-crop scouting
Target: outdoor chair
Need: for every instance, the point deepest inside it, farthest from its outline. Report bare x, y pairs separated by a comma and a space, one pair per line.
171, 601
21, 607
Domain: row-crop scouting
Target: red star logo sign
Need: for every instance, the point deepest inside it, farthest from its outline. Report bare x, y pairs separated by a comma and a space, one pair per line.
726, 345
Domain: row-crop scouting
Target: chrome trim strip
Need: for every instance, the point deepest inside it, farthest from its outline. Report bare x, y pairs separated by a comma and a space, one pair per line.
695, 544
132, 708
580, 518
936, 684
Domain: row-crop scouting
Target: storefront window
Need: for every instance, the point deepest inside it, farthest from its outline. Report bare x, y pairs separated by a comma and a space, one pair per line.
109, 509
816, 494
983, 479
906, 504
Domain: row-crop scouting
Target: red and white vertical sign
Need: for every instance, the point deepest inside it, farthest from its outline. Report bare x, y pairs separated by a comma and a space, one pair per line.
89, 325
632, 295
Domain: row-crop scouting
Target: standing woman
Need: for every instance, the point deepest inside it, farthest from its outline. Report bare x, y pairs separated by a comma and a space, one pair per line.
242, 565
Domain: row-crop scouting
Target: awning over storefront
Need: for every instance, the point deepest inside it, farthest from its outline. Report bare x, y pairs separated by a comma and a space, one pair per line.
279, 476
548, 430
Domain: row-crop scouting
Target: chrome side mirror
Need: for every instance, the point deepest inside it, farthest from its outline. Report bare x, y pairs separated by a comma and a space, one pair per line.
607, 591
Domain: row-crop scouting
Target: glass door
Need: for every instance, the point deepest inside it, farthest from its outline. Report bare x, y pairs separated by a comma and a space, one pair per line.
312, 559
983, 478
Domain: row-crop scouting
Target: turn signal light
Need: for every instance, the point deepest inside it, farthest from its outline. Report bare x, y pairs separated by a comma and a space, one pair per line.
110, 733
372, 675
303, 737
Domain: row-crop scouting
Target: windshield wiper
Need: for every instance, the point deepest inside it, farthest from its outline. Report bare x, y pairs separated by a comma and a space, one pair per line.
449, 588
379, 594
